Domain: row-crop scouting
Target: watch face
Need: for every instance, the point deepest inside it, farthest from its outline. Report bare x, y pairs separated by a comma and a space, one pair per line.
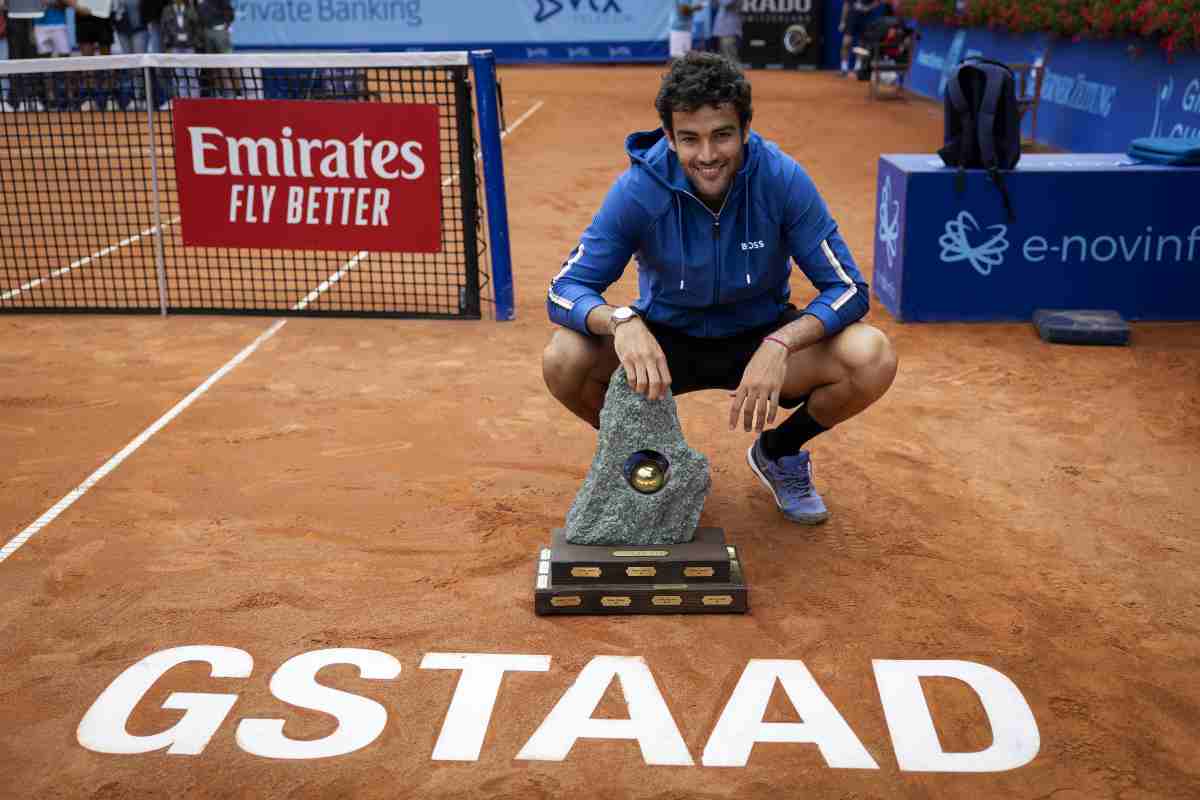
623, 313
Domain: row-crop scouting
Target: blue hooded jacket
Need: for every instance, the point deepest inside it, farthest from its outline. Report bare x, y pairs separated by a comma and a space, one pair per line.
707, 274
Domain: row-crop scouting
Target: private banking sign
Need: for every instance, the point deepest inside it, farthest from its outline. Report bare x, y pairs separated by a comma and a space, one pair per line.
540, 30
1006, 716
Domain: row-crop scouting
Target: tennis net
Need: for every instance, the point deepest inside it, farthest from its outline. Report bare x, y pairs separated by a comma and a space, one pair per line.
335, 184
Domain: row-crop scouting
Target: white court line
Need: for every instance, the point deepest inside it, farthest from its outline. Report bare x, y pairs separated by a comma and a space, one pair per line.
331, 280
114, 462
521, 119
79, 491
354, 262
11, 293
513, 127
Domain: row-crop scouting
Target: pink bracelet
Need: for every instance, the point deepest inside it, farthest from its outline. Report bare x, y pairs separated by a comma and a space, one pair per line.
778, 342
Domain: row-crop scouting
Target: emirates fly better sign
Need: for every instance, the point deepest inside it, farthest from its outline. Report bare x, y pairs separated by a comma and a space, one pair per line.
305, 175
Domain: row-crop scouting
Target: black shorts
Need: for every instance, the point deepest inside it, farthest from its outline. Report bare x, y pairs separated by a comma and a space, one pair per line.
697, 363
93, 30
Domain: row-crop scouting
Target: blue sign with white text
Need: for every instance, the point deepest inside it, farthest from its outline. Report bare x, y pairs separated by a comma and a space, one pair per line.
539, 30
1090, 231
1097, 96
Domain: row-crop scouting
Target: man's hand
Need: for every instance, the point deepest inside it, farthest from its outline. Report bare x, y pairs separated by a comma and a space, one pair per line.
761, 384
643, 359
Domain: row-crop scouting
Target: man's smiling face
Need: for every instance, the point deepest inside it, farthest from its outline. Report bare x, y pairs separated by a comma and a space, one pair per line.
709, 144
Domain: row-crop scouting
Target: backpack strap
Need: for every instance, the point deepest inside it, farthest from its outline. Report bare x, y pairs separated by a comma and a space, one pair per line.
959, 101
993, 85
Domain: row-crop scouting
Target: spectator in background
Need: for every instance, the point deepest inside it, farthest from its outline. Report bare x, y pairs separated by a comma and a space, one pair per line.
728, 28
701, 26
855, 16
130, 26
20, 16
50, 36
133, 37
216, 20
94, 33
50, 30
93, 26
182, 33
152, 11
681, 27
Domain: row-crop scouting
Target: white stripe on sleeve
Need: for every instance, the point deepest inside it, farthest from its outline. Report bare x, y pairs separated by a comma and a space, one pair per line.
841, 271
555, 298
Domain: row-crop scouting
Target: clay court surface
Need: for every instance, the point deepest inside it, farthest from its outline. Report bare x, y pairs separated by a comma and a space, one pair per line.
385, 485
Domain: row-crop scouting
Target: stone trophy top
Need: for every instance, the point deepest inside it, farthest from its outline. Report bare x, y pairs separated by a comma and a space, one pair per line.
645, 485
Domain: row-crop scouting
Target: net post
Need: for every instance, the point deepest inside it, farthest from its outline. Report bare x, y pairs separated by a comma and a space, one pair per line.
483, 62
156, 197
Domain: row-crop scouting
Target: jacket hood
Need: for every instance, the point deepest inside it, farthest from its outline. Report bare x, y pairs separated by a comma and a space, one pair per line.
649, 150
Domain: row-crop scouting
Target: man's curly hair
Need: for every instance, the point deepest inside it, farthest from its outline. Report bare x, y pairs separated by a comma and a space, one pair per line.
703, 79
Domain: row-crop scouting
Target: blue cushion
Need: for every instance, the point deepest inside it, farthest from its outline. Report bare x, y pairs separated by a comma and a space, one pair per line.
1163, 150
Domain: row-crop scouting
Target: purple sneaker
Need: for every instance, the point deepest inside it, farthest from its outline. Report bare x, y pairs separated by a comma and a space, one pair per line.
790, 481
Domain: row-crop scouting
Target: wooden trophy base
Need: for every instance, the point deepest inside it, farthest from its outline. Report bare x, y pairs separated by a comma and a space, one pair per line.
703, 576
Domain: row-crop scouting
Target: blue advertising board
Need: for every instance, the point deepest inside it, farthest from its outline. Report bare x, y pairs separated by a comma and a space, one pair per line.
1103, 98
1097, 96
517, 30
1091, 231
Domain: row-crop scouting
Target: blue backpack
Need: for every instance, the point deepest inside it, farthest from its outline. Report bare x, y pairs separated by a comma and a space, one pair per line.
983, 122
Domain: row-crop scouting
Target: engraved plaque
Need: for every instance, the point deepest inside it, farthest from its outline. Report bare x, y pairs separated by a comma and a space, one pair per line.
707, 549
703, 576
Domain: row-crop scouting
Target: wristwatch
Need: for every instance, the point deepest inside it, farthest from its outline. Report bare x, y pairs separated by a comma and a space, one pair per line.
619, 317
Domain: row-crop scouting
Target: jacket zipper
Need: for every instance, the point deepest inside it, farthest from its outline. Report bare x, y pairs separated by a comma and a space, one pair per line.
717, 247
716, 243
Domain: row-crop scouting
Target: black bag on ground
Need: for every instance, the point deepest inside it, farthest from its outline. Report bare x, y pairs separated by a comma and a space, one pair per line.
983, 122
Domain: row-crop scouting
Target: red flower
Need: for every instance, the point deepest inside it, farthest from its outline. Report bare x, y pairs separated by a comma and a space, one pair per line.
1174, 24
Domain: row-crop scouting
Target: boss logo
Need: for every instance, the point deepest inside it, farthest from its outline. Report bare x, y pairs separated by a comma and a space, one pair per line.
754, 245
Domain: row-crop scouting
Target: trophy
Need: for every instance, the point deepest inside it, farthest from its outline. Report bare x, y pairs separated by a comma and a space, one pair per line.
631, 543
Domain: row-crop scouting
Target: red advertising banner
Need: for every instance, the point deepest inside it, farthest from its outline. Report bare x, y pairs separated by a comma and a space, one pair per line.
309, 175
